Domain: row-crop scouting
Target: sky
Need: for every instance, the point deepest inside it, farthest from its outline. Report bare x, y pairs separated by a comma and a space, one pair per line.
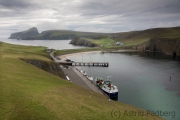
107, 16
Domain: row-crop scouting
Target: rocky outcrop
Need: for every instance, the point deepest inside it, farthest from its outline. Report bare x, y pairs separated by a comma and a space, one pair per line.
82, 42
164, 45
25, 34
47, 66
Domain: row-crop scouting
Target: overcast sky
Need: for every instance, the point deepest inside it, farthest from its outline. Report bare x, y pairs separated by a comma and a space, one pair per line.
87, 15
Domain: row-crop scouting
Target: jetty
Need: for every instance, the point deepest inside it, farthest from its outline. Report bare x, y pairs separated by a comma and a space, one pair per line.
95, 64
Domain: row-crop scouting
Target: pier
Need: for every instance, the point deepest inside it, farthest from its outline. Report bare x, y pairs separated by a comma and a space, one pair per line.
95, 64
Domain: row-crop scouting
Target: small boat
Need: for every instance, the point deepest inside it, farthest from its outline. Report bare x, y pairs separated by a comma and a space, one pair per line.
83, 72
107, 87
89, 77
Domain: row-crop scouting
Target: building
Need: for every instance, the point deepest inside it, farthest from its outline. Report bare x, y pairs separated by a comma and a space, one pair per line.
119, 43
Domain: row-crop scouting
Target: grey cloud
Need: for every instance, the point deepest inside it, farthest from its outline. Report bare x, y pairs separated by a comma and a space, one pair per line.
11, 4
115, 15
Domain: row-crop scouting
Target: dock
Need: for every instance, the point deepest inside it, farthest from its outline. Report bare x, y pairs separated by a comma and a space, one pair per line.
97, 64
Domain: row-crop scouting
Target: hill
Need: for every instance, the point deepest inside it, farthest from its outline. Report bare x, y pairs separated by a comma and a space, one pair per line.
53, 35
164, 40
138, 37
23, 35
27, 92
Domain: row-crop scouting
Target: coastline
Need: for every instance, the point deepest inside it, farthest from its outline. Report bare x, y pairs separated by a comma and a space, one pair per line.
62, 57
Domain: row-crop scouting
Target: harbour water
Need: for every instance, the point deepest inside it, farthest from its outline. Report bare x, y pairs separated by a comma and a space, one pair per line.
150, 81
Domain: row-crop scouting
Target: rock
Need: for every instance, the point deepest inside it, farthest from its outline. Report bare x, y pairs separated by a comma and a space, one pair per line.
47, 66
170, 46
82, 42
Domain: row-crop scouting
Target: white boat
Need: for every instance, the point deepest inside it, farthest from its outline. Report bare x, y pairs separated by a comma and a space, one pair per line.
83, 72
107, 87
89, 77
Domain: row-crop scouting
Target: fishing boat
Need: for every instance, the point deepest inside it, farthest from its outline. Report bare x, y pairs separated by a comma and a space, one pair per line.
107, 87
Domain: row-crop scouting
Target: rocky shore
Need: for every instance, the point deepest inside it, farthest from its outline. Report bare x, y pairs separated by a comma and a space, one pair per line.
167, 46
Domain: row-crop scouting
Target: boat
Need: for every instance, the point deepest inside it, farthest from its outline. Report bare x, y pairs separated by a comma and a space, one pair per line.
89, 77
83, 72
107, 87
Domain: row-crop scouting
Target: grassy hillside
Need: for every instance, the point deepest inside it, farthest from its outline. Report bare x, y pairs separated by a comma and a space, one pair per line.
65, 34
77, 33
106, 42
27, 92
138, 37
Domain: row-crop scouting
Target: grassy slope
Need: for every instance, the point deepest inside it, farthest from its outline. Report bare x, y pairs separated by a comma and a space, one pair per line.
105, 42
138, 37
27, 92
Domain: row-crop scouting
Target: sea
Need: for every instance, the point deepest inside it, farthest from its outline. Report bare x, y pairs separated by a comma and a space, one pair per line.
150, 81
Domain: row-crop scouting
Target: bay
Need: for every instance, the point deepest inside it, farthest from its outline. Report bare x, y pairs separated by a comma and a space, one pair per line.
143, 79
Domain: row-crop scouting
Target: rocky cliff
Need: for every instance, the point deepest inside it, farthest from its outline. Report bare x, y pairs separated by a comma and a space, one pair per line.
25, 34
82, 42
47, 66
165, 45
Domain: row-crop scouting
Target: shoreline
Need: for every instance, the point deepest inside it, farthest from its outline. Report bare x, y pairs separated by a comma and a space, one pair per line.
62, 57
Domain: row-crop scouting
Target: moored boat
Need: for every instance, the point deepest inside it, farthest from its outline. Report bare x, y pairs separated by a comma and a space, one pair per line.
107, 87
89, 77
83, 72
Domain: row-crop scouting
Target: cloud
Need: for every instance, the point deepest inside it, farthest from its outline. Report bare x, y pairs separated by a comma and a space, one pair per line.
89, 15
14, 4
94, 29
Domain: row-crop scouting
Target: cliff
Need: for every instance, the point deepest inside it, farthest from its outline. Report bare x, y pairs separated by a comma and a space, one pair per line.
82, 42
168, 46
25, 34
47, 66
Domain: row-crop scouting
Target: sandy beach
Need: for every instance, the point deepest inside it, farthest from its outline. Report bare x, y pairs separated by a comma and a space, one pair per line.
62, 57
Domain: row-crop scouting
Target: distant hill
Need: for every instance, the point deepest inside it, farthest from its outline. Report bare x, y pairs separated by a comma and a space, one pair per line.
55, 35
138, 37
23, 35
164, 40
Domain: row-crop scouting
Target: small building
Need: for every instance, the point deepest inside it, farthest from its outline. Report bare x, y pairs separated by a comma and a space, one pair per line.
119, 43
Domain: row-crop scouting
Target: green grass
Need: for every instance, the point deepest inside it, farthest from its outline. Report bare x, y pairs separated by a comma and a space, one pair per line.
56, 33
29, 93
105, 42
138, 37
132, 42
